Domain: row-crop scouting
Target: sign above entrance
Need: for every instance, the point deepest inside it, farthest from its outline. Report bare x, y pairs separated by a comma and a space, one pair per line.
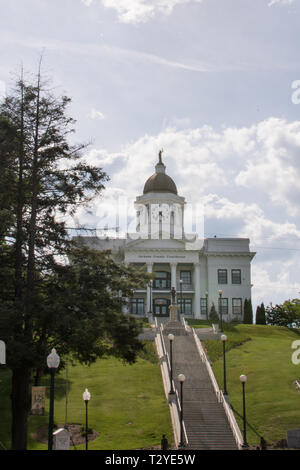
162, 256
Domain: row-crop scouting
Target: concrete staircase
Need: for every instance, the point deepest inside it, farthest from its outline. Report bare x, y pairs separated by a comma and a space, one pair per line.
206, 423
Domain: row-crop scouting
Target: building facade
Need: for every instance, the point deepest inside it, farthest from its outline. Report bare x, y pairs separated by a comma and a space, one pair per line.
203, 271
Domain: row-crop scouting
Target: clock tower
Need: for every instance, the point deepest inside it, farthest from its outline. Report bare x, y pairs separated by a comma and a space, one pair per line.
160, 211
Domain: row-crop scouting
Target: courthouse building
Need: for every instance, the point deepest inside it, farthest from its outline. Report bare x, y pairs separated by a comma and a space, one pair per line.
203, 271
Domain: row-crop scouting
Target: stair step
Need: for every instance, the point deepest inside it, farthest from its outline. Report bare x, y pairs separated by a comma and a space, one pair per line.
205, 420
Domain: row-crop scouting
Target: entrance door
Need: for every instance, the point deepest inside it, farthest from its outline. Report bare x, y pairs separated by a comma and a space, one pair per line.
161, 307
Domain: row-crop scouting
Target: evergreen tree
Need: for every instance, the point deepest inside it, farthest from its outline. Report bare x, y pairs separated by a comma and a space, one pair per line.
260, 315
257, 314
248, 314
44, 301
213, 316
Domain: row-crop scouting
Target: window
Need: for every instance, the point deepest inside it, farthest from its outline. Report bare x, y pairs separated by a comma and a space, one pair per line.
162, 280
186, 277
224, 305
236, 306
161, 306
203, 306
185, 307
222, 276
137, 306
236, 276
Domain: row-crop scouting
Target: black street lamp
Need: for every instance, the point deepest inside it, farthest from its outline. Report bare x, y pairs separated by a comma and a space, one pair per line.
206, 296
181, 304
224, 339
220, 310
181, 379
243, 379
171, 339
150, 297
53, 361
86, 396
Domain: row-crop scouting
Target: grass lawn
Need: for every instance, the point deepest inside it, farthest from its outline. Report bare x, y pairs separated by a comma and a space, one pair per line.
263, 353
128, 407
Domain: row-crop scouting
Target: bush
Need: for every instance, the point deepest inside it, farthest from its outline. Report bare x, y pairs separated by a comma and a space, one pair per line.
248, 314
213, 316
260, 315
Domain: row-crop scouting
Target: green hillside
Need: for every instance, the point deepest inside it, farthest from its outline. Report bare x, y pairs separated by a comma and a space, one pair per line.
128, 407
263, 353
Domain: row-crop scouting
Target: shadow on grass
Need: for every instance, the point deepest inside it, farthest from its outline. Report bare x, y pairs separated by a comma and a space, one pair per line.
247, 422
59, 385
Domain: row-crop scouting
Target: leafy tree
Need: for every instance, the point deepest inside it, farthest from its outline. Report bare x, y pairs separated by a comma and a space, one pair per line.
46, 302
286, 314
248, 313
260, 315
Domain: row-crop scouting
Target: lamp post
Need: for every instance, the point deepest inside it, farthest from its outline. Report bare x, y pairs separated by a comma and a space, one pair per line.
171, 339
206, 296
180, 282
181, 379
53, 361
224, 339
86, 396
150, 295
243, 379
220, 309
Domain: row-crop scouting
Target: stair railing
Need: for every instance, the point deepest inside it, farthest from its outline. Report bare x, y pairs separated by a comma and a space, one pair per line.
208, 367
167, 383
221, 399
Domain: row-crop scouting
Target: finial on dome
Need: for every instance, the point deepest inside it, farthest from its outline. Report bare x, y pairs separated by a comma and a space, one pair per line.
159, 156
160, 167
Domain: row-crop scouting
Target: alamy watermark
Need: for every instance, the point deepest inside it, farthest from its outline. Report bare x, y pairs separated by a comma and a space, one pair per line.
296, 94
143, 220
296, 354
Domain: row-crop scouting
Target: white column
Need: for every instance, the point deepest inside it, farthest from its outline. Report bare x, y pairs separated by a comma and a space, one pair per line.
197, 311
173, 275
149, 293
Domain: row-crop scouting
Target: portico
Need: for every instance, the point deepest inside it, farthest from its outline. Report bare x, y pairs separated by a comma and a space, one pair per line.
180, 270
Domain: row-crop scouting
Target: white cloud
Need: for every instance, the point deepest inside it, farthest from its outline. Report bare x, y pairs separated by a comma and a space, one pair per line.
262, 160
141, 11
2, 89
115, 53
94, 114
269, 287
242, 177
274, 165
282, 2
136, 11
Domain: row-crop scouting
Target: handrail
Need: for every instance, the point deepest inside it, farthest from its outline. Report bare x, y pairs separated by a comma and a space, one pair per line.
232, 422
168, 364
220, 396
208, 366
186, 325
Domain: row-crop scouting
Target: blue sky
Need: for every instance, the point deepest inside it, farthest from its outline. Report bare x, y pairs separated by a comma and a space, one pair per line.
213, 82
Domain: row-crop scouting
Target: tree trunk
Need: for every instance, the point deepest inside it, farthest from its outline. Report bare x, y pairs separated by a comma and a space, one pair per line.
20, 398
38, 376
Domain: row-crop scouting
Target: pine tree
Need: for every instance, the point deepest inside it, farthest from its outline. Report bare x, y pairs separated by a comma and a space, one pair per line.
260, 315
248, 314
213, 316
46, 302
